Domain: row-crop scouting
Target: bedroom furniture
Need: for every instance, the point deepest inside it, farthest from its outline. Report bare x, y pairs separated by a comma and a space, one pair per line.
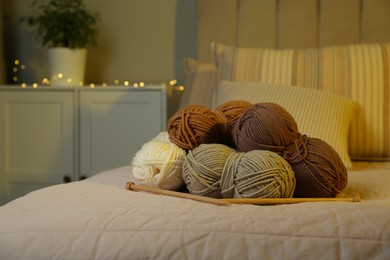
98, 218
50, 135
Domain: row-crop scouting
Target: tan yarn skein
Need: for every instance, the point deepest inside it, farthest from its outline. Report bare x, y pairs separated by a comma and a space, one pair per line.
159, 163
202, 169
257, 174
217, 171
195, 125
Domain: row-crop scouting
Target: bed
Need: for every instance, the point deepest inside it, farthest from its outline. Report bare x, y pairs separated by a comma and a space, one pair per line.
259, 51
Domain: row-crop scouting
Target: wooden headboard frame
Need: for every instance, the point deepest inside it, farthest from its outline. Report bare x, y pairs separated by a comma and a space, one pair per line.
284, 24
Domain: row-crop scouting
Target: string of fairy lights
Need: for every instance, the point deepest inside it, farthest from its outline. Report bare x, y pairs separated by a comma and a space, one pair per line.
19, 68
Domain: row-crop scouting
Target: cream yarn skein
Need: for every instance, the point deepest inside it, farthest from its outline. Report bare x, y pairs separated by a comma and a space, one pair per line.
159, 163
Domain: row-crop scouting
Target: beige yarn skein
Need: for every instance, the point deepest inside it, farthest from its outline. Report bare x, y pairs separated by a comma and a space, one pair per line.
159, 163
216, 170
257, 174
202, 169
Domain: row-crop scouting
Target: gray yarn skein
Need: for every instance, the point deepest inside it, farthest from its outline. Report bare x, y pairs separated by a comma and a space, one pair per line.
217, 171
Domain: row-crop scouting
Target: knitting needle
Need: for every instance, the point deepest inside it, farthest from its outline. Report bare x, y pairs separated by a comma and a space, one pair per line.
226, 202
134, 187
273, 201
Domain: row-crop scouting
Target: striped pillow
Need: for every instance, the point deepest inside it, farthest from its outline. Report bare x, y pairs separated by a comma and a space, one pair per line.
360, 72
318, 113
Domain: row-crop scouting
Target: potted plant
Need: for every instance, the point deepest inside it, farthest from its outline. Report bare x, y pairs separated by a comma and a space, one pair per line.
66, 27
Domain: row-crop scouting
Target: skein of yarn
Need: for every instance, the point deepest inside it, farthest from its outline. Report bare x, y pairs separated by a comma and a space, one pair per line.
232, 111
321, 173
195, 125
159, 163
216, 170
264, 126
318, 168
202, 169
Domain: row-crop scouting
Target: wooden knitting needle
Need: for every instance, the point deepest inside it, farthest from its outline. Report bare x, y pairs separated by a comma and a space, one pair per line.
226, 202
273, 201
134, 187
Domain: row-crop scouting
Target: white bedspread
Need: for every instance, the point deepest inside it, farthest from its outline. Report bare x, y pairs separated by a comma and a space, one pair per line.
99, 219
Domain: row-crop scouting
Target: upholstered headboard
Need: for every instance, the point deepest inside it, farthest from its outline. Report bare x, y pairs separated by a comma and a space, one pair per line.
281, 24
320, 49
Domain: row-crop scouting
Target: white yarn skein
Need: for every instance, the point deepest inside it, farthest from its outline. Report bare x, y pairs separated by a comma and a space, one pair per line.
159, 163
163, 136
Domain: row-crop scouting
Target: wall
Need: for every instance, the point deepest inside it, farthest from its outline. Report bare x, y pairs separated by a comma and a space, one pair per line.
138, 40
2, 64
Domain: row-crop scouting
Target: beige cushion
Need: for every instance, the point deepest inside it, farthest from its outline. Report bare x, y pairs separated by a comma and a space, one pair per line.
318, 113
360, 72
199, 83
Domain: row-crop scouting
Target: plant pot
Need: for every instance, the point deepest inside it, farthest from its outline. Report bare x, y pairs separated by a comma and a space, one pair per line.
67, 66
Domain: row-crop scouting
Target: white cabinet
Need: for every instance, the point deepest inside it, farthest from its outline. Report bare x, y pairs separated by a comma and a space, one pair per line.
50, 133
36, 140
114, 125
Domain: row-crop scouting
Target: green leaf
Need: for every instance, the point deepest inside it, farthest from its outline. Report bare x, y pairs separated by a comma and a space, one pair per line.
63, 23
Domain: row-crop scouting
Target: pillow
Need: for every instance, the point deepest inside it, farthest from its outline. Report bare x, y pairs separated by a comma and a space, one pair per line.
360, 72
199, 81
318, 113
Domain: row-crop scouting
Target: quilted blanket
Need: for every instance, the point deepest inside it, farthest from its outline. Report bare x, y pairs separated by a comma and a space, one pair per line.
99, 219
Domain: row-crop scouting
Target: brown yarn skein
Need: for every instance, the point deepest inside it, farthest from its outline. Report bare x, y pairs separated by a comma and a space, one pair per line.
318, 168
232, 111
195, 125
321, 173
264, 126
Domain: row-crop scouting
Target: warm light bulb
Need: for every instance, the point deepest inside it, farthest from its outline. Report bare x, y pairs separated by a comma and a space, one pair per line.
45, 81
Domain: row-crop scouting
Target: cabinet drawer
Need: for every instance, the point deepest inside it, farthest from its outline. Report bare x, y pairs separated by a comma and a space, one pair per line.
115, 124
36, 139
